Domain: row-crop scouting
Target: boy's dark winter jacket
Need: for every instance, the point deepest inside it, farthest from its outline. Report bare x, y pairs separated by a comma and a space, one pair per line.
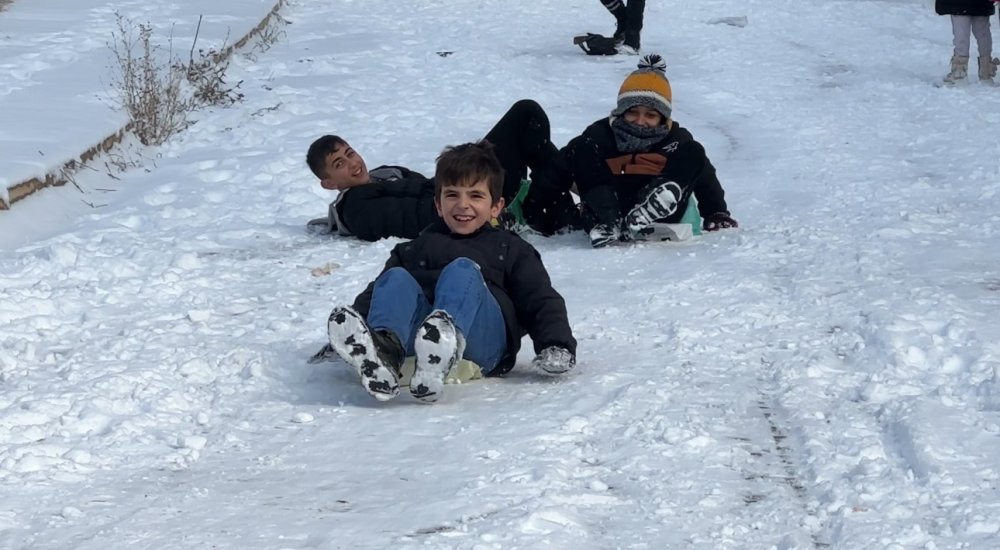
964, 7
398, 202
609, 181
513, 271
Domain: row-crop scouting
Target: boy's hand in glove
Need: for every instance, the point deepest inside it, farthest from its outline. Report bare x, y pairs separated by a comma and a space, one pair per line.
719, 220
554, 360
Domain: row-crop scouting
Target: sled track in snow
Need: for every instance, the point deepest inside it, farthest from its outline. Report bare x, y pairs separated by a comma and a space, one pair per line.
782, 449
774, 472
784, 457
777, 473
780, 460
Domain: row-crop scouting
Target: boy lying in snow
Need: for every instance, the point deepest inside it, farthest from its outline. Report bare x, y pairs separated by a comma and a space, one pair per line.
392, 201
634, 168
462, 288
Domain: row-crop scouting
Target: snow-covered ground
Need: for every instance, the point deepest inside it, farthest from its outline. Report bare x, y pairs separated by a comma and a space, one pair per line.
826, 376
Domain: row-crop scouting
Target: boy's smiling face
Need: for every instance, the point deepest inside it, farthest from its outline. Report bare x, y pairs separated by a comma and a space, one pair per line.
466, 208
344, 168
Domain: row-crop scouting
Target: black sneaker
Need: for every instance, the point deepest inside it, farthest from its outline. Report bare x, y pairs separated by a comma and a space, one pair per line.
619, 35
604, 234
630, 42
659, 202
438, 348
377, 356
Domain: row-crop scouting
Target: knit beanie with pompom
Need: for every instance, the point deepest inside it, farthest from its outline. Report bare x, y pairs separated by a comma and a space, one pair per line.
647, 86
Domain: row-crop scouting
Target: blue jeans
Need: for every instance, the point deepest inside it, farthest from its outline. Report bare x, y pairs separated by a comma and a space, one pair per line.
400, 306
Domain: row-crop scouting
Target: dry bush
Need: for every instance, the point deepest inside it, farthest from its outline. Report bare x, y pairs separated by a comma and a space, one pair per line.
159, 91
207, 74
149, 88
270, 35
208, 82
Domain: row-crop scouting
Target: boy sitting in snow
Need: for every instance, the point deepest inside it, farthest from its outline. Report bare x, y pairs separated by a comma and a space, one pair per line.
462, 288
392, 201
635, 167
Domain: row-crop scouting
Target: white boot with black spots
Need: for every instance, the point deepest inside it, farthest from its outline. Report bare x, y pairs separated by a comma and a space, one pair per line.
377, 366
438, 348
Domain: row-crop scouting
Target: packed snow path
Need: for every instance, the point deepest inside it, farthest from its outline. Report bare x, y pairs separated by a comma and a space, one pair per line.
824, 376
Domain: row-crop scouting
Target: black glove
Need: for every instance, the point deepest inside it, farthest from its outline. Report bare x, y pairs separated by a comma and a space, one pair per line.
719, 220
554, 360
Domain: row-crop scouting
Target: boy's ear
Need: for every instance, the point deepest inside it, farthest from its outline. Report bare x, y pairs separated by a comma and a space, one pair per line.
496, 208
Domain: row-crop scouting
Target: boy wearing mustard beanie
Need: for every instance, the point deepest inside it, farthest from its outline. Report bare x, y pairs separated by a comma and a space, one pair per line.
635, 167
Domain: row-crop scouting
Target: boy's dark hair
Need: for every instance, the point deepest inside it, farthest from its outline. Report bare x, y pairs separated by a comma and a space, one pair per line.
319, 150
464, 165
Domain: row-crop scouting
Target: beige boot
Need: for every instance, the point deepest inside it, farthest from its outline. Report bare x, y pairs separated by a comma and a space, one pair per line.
987, 68
959, 69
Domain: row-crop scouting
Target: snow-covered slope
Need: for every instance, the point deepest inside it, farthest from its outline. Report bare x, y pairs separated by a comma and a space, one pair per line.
825, 376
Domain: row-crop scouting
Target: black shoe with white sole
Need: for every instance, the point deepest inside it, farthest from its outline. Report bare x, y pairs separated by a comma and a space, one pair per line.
659, 201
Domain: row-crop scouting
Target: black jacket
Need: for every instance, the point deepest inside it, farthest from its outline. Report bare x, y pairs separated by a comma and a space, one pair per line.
964, 7
513, 272
398, 202
609, 181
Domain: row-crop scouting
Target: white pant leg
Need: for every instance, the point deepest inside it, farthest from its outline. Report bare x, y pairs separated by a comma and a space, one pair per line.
961, 25
984, 37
